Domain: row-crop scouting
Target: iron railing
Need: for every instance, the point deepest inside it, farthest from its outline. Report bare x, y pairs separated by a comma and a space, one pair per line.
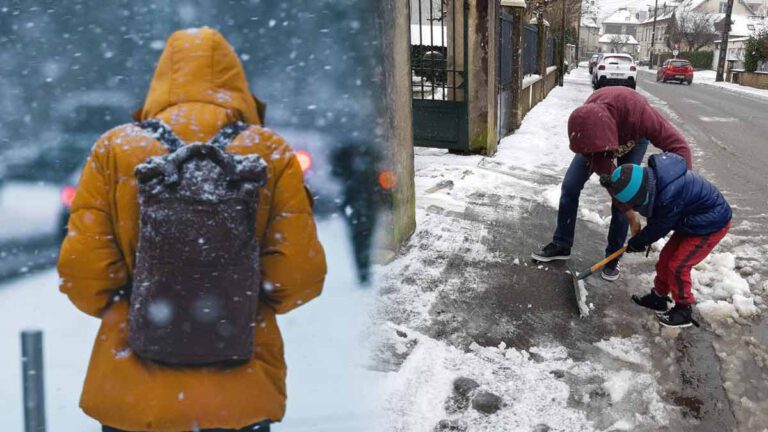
436, 49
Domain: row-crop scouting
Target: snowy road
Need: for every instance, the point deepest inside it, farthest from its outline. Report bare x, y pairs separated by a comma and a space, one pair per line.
330, 387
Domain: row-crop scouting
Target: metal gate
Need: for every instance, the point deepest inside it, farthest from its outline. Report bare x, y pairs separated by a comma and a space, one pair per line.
531, 50
505, 74
439, 35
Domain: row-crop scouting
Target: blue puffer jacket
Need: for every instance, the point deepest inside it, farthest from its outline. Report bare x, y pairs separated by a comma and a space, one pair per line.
679, 200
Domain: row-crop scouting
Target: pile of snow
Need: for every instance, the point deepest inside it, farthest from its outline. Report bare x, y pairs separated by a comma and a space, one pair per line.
721, 292
630, 350
537, 387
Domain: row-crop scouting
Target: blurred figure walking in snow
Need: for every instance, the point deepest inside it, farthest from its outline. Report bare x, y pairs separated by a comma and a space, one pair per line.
357, 165
672, 198
186, 252
615, 125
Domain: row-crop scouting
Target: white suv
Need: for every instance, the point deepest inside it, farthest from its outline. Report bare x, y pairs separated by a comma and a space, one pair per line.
614, 69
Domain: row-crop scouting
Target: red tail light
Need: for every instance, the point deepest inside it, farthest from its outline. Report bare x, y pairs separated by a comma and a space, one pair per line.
305, 160
601, 67
68, 195
632, 68
387, 180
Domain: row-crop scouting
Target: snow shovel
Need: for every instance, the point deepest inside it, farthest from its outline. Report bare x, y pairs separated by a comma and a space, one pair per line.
578, 278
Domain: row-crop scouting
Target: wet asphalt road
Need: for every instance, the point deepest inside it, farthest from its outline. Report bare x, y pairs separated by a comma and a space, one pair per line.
729, 133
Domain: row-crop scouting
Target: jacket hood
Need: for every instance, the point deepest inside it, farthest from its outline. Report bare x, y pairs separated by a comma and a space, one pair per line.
199, 65
592, 129
668, 167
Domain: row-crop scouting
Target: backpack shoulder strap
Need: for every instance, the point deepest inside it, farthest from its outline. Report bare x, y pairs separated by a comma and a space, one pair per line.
227, 134
161, 132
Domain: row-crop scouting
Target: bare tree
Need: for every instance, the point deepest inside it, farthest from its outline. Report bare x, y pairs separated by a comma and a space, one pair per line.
695, 29
617, 42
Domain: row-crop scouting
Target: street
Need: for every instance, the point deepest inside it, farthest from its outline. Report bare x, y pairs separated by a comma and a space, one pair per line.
729, 131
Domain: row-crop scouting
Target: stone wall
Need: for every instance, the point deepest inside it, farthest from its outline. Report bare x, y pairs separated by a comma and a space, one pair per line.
482, 76
535, 90
751, 79
395, 128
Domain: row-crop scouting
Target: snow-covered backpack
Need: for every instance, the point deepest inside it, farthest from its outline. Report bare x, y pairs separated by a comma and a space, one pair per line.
196, 284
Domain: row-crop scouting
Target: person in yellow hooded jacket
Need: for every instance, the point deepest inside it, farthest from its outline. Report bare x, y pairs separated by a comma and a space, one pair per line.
198, 87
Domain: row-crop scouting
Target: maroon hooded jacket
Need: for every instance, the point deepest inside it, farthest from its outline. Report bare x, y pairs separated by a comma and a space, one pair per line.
612, 120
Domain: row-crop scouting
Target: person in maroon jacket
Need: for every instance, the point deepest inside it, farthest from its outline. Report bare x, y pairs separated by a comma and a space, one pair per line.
614, 124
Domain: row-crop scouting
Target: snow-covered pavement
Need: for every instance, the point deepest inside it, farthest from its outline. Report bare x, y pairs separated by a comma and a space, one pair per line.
464, 300
330, 387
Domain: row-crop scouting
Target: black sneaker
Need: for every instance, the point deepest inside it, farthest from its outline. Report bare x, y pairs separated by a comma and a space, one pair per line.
611, 271
653, 301
679, 316
552, 252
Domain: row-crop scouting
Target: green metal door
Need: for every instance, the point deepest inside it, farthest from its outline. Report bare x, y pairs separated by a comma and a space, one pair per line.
439, 35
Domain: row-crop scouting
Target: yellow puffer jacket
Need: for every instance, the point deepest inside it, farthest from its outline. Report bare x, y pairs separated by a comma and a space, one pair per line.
198, 87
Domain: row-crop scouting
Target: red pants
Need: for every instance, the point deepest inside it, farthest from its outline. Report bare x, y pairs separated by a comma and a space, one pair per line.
681, 253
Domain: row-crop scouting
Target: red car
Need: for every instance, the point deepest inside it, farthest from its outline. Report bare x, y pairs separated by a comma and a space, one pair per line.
675, 70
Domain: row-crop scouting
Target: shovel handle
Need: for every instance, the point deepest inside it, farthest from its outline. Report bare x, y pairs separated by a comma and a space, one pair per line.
602, 263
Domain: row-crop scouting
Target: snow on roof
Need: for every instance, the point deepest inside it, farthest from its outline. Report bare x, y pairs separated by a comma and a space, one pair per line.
747, 25
589, 22
663, 13
622, 16
621, 38
429, 35
692, 4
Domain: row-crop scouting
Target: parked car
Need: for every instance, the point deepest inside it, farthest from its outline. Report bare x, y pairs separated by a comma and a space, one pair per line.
675, 70
593, 62
615, 69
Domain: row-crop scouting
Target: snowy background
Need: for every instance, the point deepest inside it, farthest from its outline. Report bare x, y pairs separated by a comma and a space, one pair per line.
71, 70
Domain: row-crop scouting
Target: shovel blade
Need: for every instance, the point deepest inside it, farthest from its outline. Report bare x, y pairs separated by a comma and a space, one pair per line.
580, 292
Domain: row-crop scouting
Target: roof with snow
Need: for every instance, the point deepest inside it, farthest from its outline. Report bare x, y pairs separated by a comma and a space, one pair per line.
622, 16
747, 25
663, 13
589, 22
620, 38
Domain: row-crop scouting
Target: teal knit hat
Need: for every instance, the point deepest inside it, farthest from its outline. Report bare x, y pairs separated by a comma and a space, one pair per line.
628, 184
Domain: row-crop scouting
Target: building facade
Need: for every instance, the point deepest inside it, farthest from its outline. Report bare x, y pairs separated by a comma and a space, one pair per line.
589, 34
620, 32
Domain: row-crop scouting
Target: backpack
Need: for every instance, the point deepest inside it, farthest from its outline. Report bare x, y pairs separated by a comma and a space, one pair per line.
195, 287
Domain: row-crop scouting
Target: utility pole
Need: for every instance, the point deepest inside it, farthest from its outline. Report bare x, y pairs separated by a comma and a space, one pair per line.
562, 47
724, 42
653, 32
578, 34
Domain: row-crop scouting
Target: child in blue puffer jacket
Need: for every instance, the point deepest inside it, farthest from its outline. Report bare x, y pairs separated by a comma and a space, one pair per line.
672, 198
